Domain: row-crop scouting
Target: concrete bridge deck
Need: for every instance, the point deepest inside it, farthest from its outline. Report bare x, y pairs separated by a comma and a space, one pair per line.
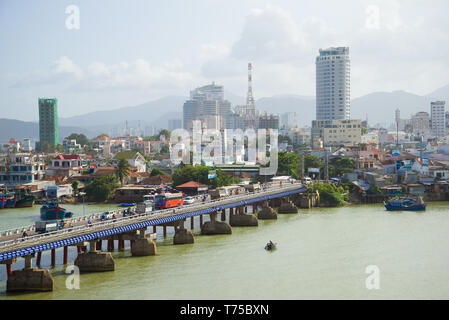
35, 243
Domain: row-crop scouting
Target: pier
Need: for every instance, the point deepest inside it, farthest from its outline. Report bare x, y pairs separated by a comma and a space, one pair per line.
134, 228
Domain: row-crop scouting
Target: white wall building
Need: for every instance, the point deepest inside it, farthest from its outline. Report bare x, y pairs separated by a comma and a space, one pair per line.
438, 118
333, 84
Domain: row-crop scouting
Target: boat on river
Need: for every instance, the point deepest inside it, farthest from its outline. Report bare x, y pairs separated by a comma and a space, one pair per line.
24, 198
270, 246
51, 210
405, 203
7, 200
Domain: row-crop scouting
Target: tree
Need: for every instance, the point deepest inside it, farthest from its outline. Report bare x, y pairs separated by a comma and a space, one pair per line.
103, 135
75, 185
164, 149
200, 174
80, 138
122, 170
101, 188
288, 164
157, 172
60, 148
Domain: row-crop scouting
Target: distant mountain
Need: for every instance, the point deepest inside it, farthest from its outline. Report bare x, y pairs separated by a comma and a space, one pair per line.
303, 106
20, 130
380, 106
149, 113
440, 94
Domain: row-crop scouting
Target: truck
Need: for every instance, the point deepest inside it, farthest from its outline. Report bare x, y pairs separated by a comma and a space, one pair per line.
47, 226
145, 207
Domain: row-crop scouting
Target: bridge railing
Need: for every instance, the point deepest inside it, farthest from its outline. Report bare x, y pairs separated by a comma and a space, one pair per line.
73, 230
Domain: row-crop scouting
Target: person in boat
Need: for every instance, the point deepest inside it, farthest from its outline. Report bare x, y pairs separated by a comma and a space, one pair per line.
270, 244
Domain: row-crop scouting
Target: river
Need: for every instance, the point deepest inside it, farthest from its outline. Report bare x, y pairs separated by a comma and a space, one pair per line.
322, 254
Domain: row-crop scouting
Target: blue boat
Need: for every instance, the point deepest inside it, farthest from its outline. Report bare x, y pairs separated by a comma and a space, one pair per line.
126, 205
406, 204
51, 210
3, 200
270, 246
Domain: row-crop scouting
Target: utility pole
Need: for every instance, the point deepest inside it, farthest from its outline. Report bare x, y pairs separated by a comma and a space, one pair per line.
326, 167
302, 165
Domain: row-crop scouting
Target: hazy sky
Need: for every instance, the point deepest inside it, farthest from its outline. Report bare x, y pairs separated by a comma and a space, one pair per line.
130, 52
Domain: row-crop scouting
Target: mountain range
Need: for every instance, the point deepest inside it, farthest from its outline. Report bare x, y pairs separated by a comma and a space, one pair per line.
378, 108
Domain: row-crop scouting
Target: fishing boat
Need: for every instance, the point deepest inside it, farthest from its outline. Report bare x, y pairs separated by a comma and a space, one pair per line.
3, 199
10, 200
51, 210
406, 204
270, 246
24, 198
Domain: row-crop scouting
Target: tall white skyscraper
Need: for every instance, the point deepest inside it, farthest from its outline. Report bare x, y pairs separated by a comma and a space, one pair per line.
333, 84
438, 118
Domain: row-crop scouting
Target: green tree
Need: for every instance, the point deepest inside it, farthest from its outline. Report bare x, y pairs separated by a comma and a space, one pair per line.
165, 149
289, 164
101, 188
80, 138
330, 194
122, 170
75, 185
157, 172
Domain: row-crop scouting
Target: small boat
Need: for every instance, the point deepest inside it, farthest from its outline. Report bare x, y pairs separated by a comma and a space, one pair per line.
51, 210
270, 246
406, 204
126, 205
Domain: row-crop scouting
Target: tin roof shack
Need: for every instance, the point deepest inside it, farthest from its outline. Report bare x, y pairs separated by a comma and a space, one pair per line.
376, 180
193, 188
416, 189
130, 193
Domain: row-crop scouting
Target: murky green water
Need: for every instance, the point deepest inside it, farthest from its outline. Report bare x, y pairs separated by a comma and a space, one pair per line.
322, 254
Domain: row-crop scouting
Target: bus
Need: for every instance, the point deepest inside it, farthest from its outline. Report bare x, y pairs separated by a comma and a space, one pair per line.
168, 200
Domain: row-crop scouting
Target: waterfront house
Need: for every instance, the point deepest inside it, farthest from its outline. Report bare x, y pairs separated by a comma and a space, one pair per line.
65, 165
21, 168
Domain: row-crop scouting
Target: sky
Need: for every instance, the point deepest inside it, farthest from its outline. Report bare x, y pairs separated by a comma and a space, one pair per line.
124, 53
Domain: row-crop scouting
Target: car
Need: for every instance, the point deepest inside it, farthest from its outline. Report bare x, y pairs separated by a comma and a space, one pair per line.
189, 200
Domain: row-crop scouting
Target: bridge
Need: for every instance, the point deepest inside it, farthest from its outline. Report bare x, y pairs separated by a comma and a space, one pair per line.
133, 228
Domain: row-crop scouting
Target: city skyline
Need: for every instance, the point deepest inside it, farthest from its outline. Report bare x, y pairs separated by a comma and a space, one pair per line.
403, 49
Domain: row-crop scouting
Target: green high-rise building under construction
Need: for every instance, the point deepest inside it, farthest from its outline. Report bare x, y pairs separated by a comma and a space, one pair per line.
48, 122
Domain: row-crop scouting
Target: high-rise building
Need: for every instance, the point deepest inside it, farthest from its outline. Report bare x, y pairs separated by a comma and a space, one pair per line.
268, 121
48, 122
421, 124
333, 84
438, 118
174, 124
206, 103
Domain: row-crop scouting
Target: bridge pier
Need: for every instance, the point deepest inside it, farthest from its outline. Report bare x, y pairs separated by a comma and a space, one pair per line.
182, 235
267, 213
66, 255
242, 219
287, 207
53, 257
30, 279
143, 246
95, 261
215, 227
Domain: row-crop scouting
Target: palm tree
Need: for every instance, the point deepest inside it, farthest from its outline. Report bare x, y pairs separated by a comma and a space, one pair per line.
122, 170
